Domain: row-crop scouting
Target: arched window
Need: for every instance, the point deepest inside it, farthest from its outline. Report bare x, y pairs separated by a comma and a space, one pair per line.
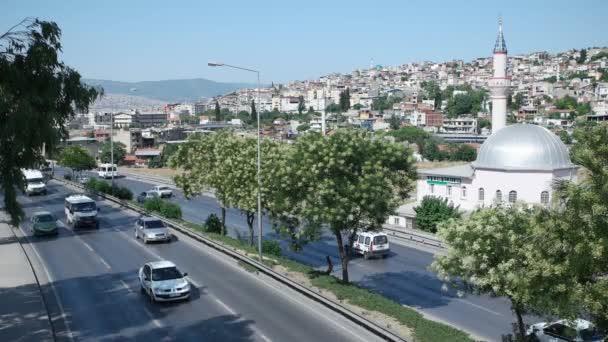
481, 194
498, 196
464, 192
544, 197
512, 196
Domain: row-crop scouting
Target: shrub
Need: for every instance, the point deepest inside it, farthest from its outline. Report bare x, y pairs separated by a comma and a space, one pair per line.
123, 193
91, 184
170, 210
67, 176
213, 224
103, 186
271, 247
153, 204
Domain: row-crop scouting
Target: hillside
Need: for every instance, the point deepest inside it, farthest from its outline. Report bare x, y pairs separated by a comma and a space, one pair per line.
185, 90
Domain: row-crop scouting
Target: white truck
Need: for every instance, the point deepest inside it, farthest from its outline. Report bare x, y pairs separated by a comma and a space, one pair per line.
34, 182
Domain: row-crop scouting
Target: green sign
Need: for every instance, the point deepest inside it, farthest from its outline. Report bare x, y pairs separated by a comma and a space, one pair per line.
436, 182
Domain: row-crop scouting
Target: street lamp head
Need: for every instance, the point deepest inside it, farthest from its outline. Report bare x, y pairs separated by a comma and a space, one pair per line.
215, 64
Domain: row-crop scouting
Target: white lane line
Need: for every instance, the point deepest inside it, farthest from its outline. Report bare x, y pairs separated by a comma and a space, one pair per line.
104, 262
53, 289
155, 321
265, 338
125, 285
226, 307
88, 247
479, 307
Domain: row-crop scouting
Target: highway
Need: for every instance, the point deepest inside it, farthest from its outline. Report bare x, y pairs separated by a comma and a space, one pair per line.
94, 278
403, 276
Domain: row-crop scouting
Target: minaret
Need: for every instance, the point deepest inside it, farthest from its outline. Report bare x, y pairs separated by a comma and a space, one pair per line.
500, 82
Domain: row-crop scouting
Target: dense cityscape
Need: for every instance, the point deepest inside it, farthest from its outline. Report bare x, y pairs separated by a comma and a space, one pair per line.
428, 201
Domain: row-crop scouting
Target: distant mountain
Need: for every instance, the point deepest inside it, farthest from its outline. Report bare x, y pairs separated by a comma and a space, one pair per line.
186, 90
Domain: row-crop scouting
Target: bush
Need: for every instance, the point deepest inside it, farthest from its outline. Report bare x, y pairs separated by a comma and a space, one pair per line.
171, 210
153, 204
271, 247
123, 193
103, 186
67, 176
213, 224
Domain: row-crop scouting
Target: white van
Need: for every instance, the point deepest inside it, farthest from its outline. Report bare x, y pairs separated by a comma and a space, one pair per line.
107, 171
371, 244
34, 182
80, 211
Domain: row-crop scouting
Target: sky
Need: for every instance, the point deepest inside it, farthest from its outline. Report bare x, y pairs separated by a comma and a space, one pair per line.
146, 40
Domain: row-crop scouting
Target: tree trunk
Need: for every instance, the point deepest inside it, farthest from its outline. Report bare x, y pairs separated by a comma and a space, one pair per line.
250, 218
343, 257
223, 220
330, 266
521, 329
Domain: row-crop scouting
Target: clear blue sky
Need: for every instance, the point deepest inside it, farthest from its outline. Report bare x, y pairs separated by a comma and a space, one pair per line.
131, 40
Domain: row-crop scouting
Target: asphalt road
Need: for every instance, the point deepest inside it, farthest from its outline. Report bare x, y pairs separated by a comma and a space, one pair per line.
403, 276
94, 276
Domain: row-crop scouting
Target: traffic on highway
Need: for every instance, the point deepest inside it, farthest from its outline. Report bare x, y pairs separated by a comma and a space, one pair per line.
108, 283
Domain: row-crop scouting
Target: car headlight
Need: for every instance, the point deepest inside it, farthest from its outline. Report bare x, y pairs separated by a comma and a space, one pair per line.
149, 235
157, 290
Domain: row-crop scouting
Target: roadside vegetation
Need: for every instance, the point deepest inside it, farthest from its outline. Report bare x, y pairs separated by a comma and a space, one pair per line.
106, 188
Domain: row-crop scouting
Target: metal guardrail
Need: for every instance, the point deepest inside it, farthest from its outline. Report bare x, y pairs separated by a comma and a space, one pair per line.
332, 305
415, 236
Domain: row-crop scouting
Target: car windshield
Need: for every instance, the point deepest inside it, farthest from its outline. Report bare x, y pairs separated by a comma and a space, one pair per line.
46, 218
166, 273
154, 224
86, 206
35, 180
380, 240
591, 334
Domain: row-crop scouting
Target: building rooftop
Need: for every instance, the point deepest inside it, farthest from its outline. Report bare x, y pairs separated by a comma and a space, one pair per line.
460, 171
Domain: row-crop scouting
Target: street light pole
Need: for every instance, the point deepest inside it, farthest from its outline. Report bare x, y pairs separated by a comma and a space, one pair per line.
259, 161
112, 151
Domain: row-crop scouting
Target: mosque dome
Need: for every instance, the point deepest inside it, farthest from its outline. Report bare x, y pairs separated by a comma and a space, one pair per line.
523, 147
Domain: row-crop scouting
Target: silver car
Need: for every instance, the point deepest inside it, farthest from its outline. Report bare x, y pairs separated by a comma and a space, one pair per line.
151, 229
162, 281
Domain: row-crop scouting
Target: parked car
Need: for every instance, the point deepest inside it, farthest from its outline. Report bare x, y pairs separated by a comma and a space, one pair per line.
151, 229
162, 191
142, 197
162, 281
565, 330
370, 244
44, 223
83, 179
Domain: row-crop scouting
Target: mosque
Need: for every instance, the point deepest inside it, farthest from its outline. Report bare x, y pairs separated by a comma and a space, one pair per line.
516, 163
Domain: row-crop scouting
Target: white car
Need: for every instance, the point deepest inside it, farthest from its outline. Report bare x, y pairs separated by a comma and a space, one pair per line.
162, 191
371, 244
162, 281
151, 229
564, 330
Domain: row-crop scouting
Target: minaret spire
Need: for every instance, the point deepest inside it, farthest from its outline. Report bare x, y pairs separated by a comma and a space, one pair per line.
500, 45
500, 82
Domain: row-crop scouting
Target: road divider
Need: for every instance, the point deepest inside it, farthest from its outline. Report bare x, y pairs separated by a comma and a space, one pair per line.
354, 317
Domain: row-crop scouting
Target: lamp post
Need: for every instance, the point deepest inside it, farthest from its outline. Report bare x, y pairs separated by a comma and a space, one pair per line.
112, 151
259, 161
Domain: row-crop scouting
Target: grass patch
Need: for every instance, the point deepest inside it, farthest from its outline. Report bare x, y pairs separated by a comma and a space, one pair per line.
248, 267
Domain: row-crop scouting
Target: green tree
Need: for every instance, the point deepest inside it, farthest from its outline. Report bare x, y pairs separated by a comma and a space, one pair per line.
120, 151
582, 57
431, 151
301, 104
254, 113
518, 101
357, 106
489, 253
464, 152
333, 108
344, 100
483, 123
566, 102
168, 151
346, 182
551, 79
565, 137
76, 158
432, 211
394, 122
218, 112
433, 92
188, 119
39, 94
303, 128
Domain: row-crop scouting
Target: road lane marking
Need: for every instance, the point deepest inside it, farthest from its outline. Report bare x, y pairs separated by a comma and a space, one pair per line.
155, 321
479, 307
88, 247
104, 262
265, 338
125, 285
53, 289
226, 307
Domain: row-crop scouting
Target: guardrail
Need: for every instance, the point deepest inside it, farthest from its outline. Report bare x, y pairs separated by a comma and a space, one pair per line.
414, 236
328, 303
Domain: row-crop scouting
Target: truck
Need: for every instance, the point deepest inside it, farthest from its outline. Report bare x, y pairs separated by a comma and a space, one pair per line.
34, 182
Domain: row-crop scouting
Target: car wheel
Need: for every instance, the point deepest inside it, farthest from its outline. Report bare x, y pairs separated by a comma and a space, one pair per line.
145, 240
366, 255
136, 235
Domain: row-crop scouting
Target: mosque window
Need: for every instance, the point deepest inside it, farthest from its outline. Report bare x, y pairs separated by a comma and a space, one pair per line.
512, 196
464, 192
481, 194
544, 197
498, 195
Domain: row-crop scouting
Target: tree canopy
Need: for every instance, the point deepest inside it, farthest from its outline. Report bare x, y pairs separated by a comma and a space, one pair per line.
39, 94
434, 210
120, 151
76, 158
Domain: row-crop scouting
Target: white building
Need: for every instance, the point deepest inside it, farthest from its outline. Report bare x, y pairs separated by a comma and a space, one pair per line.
459, 125
518, 163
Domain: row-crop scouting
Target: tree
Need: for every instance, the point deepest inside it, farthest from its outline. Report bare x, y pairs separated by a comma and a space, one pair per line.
357, 106
254, 113
565, 137
489, 253
464, 152
433, 92
518, 101
344, 100
483, 123
301, 104
218, 112
431, 151
566, 102
346, 182
394, 122
432, 211
120, 151
582, 57
188, 119
333, 108
39, 94
303, 128
76, 158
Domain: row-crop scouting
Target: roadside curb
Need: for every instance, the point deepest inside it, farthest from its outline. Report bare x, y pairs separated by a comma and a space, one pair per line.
328, 303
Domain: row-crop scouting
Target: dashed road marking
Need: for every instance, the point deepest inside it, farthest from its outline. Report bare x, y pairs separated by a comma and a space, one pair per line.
226, 307
479, 307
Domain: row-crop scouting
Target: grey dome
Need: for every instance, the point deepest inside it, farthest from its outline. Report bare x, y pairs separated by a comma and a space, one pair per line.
523, 147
